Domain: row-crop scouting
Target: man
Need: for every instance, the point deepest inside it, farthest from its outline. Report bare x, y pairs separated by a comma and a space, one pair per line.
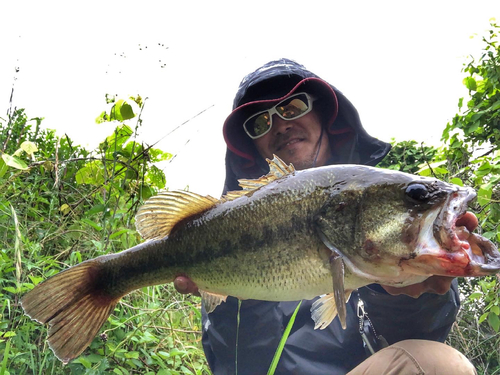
283, 109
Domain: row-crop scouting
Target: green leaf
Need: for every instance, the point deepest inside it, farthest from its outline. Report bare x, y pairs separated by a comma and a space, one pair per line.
470, 83
116, 140
457, 181
490, 235
476, 295
35, 279
83, 361
495, 309
484, 196
103, 117
14, 162
3, 168
495, 106
133, 355
440, 170
29, 147
157, 155
483, 317
92, 224
424, 172
92, 174
494, 321
484, 169
471, 129
122, 110
8, 334
98, 208
116, 234
65, 209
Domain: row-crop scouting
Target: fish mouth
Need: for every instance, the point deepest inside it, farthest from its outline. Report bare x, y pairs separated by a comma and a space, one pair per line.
453, 230
454, 250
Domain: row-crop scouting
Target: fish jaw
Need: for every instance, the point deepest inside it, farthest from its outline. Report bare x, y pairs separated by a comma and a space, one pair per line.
446, 245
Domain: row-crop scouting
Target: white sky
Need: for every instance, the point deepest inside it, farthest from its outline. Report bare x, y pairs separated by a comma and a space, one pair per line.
399, 62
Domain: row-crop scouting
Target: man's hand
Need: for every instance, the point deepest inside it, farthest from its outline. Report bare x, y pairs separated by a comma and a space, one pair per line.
184, 285
434, 284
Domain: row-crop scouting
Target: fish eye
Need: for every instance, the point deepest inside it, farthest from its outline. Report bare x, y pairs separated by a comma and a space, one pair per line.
418, 193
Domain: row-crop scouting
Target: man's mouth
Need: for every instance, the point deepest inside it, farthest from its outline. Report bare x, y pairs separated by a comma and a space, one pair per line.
288, 143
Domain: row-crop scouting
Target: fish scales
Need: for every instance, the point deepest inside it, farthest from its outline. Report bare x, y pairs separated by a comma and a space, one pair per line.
243, 248
287, 236
274, 257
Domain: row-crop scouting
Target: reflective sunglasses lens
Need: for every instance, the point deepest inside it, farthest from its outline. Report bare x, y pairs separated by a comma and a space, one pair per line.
258, 125
293, 107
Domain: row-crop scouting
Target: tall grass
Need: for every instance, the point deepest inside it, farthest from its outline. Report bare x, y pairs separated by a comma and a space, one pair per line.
69, 205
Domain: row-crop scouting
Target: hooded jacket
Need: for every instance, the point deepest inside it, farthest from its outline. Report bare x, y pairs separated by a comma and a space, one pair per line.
242, 336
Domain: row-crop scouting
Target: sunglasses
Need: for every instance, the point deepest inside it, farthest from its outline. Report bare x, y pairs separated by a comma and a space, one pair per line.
291, 108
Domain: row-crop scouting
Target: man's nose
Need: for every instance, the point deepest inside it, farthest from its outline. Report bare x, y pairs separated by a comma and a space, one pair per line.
281, 126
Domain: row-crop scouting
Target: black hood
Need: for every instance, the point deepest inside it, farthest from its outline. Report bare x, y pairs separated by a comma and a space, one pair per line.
350, 143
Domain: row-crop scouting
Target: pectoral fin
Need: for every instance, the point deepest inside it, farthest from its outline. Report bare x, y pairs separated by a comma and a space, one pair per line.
211, 300
324, 310
340, 296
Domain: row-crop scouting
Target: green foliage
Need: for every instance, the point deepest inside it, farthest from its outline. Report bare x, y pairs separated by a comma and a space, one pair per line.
407, 156
60, 205
471, 156
480, 120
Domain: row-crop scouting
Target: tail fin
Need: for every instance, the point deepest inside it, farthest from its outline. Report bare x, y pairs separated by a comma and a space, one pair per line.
74, 305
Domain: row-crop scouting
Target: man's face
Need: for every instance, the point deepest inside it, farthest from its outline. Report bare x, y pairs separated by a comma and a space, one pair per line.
295, 141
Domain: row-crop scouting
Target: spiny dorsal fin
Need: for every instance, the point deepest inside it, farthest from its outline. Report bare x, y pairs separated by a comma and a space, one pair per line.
277, 169
156, 218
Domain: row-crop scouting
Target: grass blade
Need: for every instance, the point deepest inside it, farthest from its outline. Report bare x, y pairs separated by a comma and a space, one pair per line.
5, 357
282, 343
17, 249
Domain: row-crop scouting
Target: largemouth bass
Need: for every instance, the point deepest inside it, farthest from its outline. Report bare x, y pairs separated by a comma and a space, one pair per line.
287, 236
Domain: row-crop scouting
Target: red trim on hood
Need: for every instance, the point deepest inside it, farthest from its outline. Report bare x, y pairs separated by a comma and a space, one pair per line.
234, 133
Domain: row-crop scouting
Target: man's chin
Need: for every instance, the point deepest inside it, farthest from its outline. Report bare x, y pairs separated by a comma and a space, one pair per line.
292, 157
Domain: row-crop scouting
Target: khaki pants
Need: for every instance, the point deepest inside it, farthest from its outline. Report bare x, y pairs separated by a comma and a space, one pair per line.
416, 357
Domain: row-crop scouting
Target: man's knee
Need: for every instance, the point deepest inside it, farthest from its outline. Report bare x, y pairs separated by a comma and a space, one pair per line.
416, 357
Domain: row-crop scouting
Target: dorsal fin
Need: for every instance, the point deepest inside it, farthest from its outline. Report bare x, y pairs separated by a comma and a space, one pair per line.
156, 218
277, 169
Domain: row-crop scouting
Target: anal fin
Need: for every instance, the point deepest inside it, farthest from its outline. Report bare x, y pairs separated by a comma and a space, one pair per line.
211, 300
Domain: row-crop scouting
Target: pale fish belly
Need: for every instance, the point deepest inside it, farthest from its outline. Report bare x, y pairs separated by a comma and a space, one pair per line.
285, 274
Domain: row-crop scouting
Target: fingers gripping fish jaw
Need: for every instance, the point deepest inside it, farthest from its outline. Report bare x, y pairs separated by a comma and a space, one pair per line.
452, 249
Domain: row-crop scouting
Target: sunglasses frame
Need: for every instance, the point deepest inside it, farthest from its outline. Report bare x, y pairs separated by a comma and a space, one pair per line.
272, 111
